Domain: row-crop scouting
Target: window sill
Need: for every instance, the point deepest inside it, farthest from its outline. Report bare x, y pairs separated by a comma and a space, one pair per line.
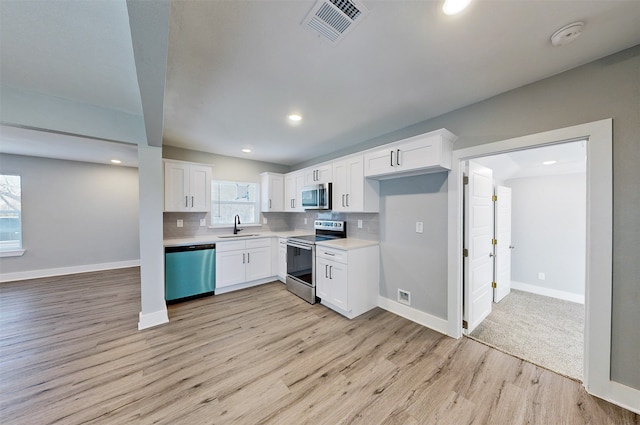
12, 253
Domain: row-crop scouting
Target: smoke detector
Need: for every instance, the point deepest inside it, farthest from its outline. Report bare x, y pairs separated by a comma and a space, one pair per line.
567, 34
334, 19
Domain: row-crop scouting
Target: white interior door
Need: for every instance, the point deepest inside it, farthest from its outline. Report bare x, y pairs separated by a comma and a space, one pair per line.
478, 230
503, 245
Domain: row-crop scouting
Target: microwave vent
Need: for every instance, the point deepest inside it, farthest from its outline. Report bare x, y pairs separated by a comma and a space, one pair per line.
334, 19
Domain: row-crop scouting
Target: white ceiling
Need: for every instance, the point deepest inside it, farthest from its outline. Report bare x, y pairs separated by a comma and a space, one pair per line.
571, 158
76, 50
236, 69
21, 141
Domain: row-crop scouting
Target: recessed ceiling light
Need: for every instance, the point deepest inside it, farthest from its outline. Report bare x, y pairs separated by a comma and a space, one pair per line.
549, 162
246, 150
295, 117
116, 161
451, 7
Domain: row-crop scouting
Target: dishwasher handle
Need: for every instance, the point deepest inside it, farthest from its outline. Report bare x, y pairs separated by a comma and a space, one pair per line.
185, 248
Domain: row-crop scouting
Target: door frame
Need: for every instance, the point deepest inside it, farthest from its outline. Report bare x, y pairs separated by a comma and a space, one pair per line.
599, 243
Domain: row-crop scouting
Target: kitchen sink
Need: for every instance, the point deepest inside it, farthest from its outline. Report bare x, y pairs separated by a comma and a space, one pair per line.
239, 236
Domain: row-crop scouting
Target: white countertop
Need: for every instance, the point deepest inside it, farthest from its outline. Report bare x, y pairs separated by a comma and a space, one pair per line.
347, 243
206, 239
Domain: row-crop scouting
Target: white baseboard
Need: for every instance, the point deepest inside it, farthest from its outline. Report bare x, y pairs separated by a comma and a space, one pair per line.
619, 394
34, 274
548, 292
245, 285
420, 317
156, 318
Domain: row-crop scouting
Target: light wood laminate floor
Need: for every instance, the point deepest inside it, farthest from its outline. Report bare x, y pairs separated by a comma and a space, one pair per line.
71, 354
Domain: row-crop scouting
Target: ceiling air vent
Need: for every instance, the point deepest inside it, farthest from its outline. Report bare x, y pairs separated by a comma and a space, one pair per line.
334, 19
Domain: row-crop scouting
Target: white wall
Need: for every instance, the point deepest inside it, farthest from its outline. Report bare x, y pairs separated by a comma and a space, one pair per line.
75, 215
548, 232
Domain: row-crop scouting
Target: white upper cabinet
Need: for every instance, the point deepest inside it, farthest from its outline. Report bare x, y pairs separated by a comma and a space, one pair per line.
187, 187
293, 183
422, 154
318, 174
351, 191
272, 191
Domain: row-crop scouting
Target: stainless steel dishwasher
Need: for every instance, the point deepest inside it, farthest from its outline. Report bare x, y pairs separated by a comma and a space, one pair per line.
189, 271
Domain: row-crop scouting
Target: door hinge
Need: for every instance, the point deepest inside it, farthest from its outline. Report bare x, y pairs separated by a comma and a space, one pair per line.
494, 242
494, 285
465, 325
465, 252
465, 180
494, 198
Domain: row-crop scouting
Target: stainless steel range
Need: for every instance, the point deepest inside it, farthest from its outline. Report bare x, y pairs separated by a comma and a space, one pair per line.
301, 257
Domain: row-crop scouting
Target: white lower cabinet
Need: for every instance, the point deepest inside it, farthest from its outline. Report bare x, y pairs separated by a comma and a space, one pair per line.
244, 261
347, 280
282, 259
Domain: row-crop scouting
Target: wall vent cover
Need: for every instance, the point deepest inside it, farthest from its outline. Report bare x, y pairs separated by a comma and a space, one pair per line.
334, 19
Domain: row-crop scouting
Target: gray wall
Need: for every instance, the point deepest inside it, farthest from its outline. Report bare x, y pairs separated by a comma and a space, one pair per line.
606, 88
415, 262
74, 213
548, 222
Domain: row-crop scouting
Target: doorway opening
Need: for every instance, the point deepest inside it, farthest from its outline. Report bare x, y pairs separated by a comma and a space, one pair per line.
599, 181
535, 210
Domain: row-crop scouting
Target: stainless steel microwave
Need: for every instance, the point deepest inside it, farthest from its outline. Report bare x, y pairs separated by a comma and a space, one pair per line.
317, 197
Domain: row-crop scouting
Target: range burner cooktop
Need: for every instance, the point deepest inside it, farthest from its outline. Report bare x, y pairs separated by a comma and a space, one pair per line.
313, 238
325, 230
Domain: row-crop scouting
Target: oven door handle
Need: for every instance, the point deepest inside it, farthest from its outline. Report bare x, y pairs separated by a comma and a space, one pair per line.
299, 245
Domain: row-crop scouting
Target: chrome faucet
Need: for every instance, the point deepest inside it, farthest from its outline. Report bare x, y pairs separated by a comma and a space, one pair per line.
236, 221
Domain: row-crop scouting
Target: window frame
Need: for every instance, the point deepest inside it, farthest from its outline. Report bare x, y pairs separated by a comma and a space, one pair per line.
255, 203
14, 250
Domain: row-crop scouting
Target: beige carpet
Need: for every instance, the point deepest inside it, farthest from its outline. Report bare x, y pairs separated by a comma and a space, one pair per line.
545, 331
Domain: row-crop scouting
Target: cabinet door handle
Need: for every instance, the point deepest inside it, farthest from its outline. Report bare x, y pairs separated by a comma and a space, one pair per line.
343, 200
326, 270
269, 203
392, 158
347, 199
192, 202
330, 272
330, 254
248, 257
243, 258
186, 202
398, 157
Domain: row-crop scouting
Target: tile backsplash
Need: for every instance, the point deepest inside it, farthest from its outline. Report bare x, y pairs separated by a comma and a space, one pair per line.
276, 222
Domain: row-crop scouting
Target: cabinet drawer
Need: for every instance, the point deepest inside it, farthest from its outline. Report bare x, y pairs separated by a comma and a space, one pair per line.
258, 243
332, 254
230, 246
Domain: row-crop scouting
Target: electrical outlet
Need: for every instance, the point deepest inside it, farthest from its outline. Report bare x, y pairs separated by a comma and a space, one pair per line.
404, 297
419, 227
203, 222
541, 276
179, 223
305, 220
359, 224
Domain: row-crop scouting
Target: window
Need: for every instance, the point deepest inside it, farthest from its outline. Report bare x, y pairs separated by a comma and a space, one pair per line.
10, 213
231, 198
